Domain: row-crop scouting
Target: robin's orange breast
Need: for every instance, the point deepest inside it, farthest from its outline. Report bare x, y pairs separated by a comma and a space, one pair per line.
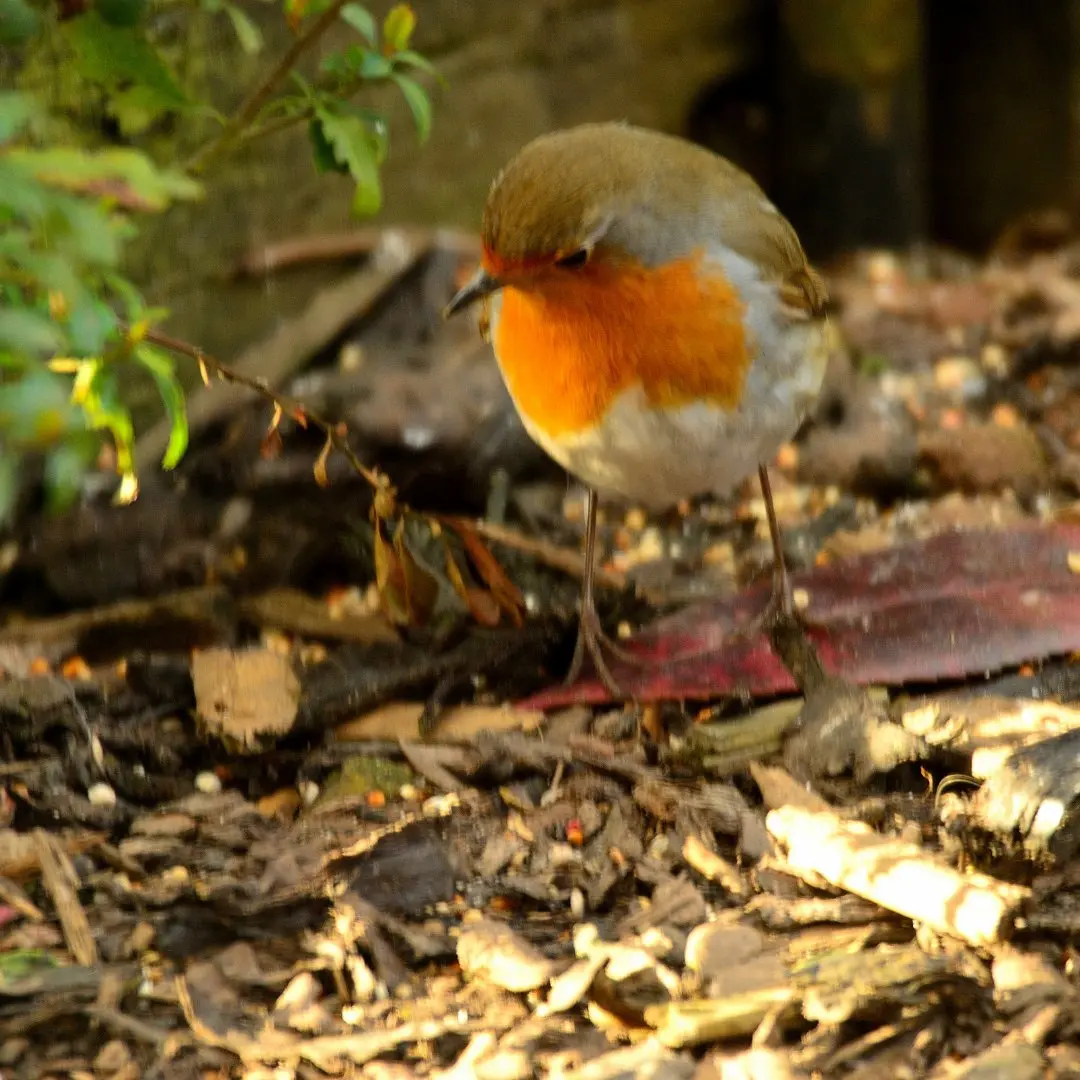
570, 342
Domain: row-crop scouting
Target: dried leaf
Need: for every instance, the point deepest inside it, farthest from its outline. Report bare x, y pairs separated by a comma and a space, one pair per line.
321, 476
407, 591
505, 592
482, 605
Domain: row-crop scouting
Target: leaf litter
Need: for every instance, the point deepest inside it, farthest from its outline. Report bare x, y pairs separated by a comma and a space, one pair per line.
294, 790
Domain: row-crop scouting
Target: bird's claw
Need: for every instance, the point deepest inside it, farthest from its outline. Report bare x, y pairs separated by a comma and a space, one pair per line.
591, 639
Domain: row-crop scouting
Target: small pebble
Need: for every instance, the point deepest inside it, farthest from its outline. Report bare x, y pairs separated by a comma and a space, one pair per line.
561, 854
577, 903
995, 359
101, 795
1005, 415
881, 267
209, 783
787, 457
960, 376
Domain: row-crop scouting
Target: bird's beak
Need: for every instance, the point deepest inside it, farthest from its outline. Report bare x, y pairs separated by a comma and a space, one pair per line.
481, 284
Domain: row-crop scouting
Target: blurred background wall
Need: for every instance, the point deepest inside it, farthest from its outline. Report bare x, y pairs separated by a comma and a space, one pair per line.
871, 122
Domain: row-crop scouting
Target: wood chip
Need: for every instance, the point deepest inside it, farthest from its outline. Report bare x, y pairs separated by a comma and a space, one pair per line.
898, 875
401, 720
60, 879
245, 697
692, 1023
490, 951
296, 612
713, 867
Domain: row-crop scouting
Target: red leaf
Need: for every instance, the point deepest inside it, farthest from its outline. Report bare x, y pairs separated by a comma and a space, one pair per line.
959, 604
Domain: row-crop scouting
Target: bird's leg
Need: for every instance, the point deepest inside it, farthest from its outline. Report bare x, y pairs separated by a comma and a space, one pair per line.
781, 604
591, 638
782, 600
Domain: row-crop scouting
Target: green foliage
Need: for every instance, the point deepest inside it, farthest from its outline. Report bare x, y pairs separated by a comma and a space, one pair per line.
119, 60
72, 327
19, 22
62, 345
353, 140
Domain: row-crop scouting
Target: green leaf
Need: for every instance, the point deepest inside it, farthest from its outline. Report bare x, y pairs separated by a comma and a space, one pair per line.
19, 22
90, 321
105, 411
161, 368
82, 230
26, 331
36, 410
66, 466
367, 198
128, 176
323, 151
16, 110
356, 62
20, 963
115, 55
90, 324
9, 483
411, 58
121, 12
247, 33
355, 150
419, 104
362, 21
22, 194
398, 27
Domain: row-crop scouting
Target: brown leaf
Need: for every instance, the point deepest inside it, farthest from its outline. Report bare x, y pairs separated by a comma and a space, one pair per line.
505, 592
321, 477
407, 591
483, 607
270, 447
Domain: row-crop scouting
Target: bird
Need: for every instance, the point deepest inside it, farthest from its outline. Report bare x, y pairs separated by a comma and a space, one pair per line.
656, 323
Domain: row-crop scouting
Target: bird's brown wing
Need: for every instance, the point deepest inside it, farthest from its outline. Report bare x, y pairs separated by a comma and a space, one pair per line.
757, 231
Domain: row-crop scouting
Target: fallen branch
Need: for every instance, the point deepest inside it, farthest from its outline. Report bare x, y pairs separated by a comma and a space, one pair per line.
896, 874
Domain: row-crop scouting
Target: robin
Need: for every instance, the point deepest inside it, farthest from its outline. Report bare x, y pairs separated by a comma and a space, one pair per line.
656, 323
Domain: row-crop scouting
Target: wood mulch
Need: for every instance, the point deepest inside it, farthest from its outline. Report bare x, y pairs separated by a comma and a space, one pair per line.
261, 817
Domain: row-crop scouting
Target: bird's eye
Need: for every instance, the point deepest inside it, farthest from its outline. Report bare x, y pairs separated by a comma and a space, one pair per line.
575, 260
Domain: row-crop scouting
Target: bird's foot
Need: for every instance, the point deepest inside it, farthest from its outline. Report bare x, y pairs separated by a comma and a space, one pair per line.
591, 639
779, 609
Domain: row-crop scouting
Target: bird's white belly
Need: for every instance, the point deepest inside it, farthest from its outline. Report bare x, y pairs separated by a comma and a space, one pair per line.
657, 456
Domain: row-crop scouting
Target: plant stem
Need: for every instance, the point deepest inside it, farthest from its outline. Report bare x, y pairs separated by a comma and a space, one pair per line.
262, 93
336, 433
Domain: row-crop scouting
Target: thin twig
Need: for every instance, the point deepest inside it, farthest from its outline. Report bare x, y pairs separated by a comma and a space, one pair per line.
262, 93
336, 432
558, 558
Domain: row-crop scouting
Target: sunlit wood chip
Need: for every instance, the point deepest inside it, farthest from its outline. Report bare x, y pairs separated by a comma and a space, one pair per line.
899, 875
490, 951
